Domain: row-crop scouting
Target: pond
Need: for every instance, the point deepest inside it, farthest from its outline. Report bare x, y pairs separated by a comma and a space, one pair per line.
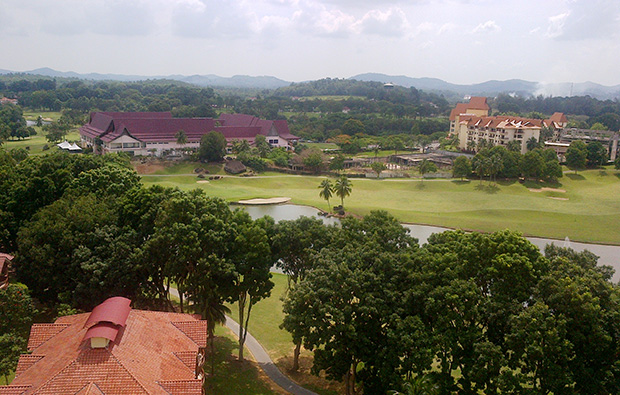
608, 254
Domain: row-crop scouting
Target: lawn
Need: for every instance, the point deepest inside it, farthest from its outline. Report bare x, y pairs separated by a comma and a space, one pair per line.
322, 146
234, 377
264, 325
35, 144
588, 210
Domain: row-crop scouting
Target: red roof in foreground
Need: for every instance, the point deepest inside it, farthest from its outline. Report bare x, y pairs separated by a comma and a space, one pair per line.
152, 354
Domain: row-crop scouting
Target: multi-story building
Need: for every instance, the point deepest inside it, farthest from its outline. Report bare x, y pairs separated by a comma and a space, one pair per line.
472, 124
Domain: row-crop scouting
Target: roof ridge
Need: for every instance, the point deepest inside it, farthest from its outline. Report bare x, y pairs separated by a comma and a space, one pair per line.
201, 341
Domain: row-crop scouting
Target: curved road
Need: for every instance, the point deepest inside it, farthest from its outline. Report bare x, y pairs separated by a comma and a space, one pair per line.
266, 363
262, 358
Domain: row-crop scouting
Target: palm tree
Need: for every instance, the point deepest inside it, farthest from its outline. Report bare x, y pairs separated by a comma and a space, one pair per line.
214, 312
181, 137
326, 191
343, 188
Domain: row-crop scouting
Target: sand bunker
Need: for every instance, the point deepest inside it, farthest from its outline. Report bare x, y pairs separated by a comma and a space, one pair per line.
275, 200
202, 182
557, 198
546, 190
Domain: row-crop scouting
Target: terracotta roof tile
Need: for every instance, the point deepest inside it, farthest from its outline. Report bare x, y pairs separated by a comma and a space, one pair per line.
40, 333
14, 389
182, 387
195, 330
188, 358
90, 389
97, 366
26, 361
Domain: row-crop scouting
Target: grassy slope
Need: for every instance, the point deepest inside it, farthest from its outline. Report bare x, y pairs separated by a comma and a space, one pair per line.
592, 212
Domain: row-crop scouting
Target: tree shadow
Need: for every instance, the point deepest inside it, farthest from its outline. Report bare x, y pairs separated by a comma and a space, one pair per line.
488, 188
575, 177
602, 173
537, 184
420, 185
461, 182
232, 376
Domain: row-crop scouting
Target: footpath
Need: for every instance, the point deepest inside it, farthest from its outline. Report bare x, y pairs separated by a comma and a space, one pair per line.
262, 358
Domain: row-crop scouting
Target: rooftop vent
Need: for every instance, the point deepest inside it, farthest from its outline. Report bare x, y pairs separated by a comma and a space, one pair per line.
106, 320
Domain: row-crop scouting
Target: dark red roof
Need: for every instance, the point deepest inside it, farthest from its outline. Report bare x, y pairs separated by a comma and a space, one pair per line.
114, 310
105, 330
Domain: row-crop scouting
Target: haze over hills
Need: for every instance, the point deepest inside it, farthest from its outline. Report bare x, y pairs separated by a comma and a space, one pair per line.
488, 88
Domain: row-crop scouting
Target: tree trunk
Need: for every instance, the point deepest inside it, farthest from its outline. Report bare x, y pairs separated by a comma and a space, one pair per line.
241, 335
181, 297
296, 356
347, 379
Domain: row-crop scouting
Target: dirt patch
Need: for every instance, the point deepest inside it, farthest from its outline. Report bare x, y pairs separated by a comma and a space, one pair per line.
557, 198
148, 168
546, 190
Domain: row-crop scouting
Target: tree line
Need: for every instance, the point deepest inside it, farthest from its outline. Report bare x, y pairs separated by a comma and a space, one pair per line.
465, 313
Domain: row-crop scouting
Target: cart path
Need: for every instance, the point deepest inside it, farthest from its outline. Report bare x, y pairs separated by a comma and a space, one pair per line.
262, 358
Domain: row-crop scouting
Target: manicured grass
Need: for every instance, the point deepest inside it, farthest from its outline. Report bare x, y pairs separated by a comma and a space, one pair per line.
591, 213
382, 153
234, 377
36, 143
33, 115
265, 320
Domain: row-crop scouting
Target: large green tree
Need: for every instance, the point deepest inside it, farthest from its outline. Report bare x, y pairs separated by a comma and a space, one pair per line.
212, 147
577, 155
461, 167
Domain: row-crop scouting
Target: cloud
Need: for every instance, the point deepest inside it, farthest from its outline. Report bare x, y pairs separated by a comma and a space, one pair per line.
488, 26
211, 19
392, 22
591, 19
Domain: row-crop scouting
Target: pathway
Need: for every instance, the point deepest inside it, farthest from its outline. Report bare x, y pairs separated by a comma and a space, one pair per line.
262, 358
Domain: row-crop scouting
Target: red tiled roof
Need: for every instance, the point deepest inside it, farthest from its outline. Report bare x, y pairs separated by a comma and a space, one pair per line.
195, 330
461, 108
182, 387
478, 103
40, 333
500, 121
26, 361
188, 358
150, 351
558, 117
14, 389
106, 330
283, 130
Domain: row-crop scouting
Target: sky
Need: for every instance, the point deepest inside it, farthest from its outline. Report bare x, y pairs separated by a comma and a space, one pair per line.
459, 41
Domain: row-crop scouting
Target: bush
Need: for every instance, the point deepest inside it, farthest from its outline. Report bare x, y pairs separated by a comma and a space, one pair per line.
45, 147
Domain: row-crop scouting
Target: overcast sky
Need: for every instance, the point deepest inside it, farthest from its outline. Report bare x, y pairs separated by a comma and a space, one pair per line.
460, 41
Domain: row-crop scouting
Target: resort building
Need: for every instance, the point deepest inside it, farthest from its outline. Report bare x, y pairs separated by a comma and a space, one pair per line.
472, 124
114, 350
156, 133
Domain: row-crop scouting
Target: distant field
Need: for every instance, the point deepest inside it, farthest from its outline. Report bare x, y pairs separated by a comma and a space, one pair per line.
33, 115
588, 211
322, 146
36, 143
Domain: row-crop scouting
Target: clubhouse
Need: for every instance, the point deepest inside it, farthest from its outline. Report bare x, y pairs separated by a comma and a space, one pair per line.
155, 133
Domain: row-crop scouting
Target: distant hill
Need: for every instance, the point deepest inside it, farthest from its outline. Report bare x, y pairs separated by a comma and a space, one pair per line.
493, 88
435, 85
237, 81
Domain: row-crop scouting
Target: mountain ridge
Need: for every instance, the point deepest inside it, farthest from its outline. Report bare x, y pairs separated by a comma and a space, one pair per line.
487, 88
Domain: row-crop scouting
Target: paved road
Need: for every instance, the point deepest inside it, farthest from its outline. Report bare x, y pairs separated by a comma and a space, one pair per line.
266, 363
262, 358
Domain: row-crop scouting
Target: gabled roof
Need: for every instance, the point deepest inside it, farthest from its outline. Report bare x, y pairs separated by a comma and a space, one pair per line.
152, 354
461, 108
501, 121
558, 117
478, 103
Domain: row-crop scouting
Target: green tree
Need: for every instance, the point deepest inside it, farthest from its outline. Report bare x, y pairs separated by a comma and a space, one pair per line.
425, 167
514, 146
17, 312
314, 160
252, 260
337, 162
378, 167
352, 127
212, 147
596, 154
461, 167
261, 144
326, 191
181, 137
576, 155
239, 146
532, 143
533, 165
342, 188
